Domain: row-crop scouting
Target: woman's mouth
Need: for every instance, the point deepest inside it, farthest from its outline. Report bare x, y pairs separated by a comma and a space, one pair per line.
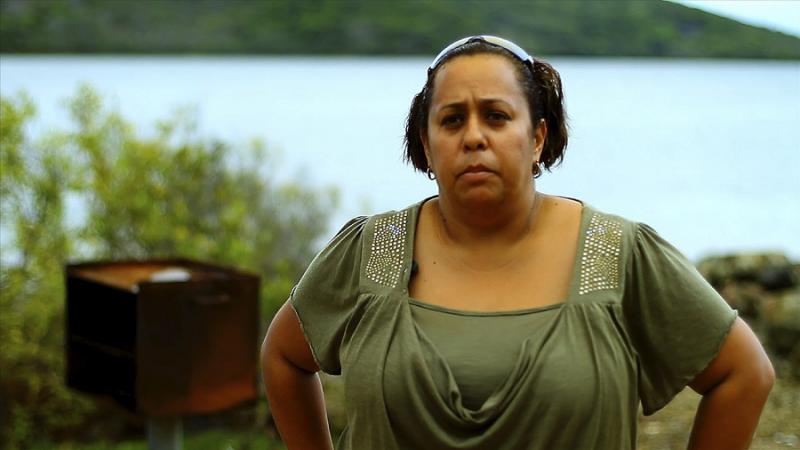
476, 172
476, 168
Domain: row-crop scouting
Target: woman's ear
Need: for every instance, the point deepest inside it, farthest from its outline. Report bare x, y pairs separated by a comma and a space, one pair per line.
423, 137
539, 137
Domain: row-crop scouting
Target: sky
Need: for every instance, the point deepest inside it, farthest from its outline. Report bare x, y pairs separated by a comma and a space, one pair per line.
780, 15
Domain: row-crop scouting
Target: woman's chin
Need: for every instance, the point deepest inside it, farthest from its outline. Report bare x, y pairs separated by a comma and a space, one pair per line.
480, 197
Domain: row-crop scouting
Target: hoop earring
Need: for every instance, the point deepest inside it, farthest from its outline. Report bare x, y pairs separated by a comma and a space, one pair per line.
430, 174
536, 170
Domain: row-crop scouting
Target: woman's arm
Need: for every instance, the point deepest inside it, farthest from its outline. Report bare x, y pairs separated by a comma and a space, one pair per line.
735, 387
293, 387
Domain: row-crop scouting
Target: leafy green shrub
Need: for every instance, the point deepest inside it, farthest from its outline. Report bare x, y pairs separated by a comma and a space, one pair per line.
170, 195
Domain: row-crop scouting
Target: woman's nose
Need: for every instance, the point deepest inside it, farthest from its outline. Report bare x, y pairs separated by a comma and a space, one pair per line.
474, 137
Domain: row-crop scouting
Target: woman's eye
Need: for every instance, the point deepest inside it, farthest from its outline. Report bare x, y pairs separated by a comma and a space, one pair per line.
497, 116
451, 120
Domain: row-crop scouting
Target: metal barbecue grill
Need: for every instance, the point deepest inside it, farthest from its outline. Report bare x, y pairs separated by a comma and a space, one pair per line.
165, 338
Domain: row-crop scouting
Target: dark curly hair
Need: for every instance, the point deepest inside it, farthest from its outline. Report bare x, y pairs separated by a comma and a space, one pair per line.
542, 87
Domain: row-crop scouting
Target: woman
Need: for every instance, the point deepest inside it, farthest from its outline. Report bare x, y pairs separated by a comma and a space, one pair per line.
494, 316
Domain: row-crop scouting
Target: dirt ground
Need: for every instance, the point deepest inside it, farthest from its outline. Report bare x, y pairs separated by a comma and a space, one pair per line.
779, 428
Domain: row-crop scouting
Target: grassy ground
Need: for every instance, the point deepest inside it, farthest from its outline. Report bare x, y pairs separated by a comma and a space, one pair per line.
779, 427
206, 440
668, 429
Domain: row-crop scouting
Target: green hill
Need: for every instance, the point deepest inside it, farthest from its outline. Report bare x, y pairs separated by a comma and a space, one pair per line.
572, 27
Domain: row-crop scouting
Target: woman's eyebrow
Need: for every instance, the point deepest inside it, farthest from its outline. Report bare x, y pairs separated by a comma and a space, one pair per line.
454, 105
482, 102
488, 101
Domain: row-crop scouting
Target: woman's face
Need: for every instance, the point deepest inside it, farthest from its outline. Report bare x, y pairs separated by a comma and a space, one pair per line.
480, 141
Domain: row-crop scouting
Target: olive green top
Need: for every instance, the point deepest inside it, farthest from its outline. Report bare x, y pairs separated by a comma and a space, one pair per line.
480, 348
638, 324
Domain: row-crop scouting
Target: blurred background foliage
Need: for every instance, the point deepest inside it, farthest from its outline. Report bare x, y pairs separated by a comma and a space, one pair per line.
572, 27
172, 194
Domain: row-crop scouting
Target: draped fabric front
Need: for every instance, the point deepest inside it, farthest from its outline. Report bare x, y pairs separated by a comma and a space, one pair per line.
638, 324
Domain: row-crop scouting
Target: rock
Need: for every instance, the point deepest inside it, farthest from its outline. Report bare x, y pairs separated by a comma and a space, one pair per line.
765, 289
775, 278
771, 270
745, 297
780, 315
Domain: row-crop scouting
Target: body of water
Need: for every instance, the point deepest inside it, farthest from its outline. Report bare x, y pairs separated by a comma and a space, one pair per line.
707, 152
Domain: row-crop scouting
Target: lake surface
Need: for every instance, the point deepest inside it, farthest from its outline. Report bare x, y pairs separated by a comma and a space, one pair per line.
707, 152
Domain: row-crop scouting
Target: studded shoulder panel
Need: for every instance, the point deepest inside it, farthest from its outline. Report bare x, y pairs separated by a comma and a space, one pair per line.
600, 259
387, 252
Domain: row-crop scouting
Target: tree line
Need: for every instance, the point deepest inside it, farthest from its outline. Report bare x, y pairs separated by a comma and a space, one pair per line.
329, 27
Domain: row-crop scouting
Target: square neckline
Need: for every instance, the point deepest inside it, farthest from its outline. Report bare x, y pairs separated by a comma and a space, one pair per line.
412, 224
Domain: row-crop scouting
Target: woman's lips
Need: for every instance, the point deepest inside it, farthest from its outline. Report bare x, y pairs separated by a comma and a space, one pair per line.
476, 168
476, 172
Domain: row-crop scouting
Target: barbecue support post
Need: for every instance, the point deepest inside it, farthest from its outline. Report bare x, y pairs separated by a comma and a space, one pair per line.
164, 433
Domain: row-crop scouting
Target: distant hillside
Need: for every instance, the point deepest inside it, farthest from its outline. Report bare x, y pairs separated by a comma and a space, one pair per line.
572, 27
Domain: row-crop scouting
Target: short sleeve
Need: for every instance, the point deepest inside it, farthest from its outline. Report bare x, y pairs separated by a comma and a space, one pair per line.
676, 321
326, 294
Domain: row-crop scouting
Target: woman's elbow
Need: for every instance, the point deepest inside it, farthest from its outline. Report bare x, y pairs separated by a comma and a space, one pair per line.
265, 350
742, 365
754, 371
763, 375
267, 358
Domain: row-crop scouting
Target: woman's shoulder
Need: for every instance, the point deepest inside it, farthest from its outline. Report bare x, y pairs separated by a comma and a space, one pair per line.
390, 227
612, 244
591, 211
393, 215
392, 224
604, 227
383, 234
630, 231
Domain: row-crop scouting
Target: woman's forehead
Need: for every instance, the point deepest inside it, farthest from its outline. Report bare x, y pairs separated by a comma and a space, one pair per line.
482, 75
